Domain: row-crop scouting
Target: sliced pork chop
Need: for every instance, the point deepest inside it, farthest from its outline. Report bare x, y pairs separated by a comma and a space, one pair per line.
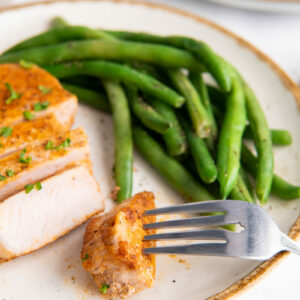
19, 136
112, 250
29, 221
33, 86
19, 168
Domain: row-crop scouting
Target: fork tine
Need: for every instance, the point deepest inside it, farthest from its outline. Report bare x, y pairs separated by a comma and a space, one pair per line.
214, 249
212, 234
200, 207
191, 222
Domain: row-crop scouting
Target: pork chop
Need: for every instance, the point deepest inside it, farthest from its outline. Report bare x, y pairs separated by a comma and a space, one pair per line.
19, 136
113, 248
40, 161
35, 91
31, 220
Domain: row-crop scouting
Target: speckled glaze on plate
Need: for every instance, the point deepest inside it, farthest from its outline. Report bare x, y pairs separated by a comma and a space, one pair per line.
55, 272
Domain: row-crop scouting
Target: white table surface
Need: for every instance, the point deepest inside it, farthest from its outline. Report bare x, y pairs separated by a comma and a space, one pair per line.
278, 35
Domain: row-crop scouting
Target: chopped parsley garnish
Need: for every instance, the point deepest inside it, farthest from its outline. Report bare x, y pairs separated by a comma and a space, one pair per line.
23, 159
25, 64
5, 131
104, 288
13, 94
66, 143
86, 257
28, 188
38, 186
49, 145
45, 90
10, 173
39, 106
2, 178
28, 115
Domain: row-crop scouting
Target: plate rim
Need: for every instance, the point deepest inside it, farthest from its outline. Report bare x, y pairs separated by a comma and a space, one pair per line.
241, 285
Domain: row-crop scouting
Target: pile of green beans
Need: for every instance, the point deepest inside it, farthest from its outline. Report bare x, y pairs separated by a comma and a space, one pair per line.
190, 132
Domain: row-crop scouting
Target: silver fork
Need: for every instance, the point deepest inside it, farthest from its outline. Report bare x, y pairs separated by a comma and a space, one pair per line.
260, 239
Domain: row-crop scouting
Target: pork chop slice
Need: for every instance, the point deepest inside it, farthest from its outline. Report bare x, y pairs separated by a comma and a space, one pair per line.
29, 221
35, 91
20, 135
113, 248
40, 161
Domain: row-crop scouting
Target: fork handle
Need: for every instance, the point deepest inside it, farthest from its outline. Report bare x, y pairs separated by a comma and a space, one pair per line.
290, 245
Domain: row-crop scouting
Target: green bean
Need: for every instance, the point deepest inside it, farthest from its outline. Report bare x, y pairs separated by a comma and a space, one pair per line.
283, 189
200, 86
241, 190
203, 160
173, 172
58, 22
279, 137
92, 98
217, 97
109, 49
174, 138
246, 179
122, 137
202, 51
219, 115
147, 69
199, 116
110, 70
263, 144
58, 35
280, 187
262, 140
229, 146
147, 115
88, 82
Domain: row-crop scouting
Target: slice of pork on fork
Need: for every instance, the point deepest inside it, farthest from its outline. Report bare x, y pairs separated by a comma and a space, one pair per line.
36, 91
260, 239
112, 248
20, 135
40, 161
29, 221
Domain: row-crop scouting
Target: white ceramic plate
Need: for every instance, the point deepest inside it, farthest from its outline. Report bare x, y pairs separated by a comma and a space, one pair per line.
55, 272
285, 6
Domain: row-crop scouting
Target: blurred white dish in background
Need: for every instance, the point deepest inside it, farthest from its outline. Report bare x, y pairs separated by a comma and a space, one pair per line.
263, 5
